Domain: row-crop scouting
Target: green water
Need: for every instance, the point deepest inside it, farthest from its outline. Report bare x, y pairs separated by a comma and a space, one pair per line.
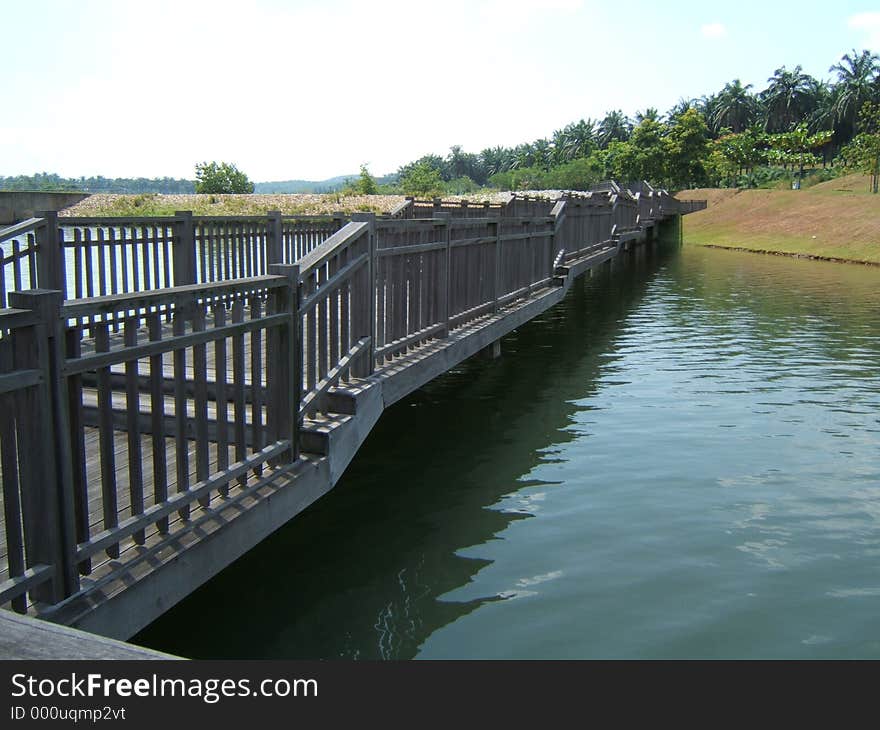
680, 460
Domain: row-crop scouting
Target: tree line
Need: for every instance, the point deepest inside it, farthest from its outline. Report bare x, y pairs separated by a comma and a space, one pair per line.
45, 181
735, 137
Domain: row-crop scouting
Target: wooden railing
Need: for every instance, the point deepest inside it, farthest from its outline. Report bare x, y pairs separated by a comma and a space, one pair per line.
91, 257
19, 262
31, 525
139, 424
691, 206
158, 365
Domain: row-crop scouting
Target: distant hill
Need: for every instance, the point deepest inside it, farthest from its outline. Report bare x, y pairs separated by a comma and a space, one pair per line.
304, 186
331, 185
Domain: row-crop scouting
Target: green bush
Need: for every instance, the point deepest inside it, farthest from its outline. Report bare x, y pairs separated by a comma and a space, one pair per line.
222, 178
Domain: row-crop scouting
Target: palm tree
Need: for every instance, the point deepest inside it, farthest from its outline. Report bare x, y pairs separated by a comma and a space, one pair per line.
615, 126
787, 99
681, 106
650, 113
496, 159
856, 76
577, 139
735, 107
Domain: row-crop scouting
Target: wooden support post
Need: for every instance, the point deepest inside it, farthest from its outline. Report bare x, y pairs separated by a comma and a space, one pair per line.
495, 232
284, 378
370, 219
491, 352
557, 242
274, 239
50, 256
44, 443
184, 249
441, 220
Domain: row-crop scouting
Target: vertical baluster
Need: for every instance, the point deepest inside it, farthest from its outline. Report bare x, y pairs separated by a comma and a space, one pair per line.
32, 260
3, 298
157, 268
16, 264
144, 257
166, 256
89, 264
256, 380
203, 253
157, 414
323, 318
123, 250
133, 410
222, 406
238, 385
311, 336
380, 301
345, 311
135, 260
14, 532
180, 413
200, 378
103, 289
106, 437
334, 317
114, 264
78, 445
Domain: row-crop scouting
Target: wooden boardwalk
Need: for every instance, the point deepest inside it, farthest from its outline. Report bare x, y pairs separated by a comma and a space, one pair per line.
168, 430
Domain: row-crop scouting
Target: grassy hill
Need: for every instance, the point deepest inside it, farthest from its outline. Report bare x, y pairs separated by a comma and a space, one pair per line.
838, 219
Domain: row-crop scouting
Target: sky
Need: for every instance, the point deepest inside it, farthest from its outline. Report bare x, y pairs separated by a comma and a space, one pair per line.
288, 89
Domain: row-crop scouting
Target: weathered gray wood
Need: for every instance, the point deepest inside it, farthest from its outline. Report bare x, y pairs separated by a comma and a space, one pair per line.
222, 406
26, 638
160, 465
178, 341
200, 378
184, 249
108, 454
13, 528
180, 436
257, 439
238, 385
399, 298
135, 457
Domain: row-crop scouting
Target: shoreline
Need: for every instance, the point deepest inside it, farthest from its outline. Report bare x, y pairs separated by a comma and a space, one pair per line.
787, 254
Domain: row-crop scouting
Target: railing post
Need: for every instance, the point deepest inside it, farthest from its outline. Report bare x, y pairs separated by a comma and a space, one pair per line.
284, 378
274, 239
50, 256
184, 250
44, 439
442, 221
370, 220
556, 238
495, 231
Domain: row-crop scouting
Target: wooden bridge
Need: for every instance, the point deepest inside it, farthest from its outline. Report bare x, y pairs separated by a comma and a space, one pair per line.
172, 390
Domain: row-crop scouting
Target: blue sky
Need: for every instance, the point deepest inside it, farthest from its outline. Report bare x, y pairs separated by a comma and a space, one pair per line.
313, 89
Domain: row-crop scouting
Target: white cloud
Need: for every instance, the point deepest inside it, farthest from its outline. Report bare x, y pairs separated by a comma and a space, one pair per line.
713, 30
869, 24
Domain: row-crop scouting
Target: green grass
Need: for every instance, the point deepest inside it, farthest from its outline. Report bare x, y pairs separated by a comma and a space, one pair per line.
832, 220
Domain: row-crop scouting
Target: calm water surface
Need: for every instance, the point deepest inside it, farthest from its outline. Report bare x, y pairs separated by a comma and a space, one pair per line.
680, 460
